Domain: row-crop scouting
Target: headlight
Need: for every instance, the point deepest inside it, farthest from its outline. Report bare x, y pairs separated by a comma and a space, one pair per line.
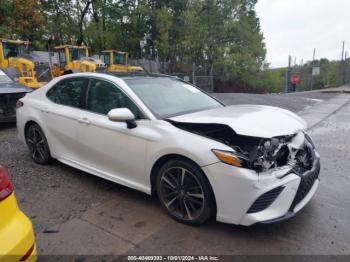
262, 154
266, 154
230, 157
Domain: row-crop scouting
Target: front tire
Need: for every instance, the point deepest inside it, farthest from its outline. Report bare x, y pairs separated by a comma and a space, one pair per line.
37, 145
184, 192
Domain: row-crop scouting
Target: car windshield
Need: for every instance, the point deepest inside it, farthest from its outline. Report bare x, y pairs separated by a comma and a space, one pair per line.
167, 97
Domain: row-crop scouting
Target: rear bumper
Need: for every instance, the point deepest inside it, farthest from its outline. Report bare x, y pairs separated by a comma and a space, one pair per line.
8, 106
237, 190
16, 232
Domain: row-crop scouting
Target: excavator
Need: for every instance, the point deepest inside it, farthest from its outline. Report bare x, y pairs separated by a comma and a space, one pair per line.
12, 60
74, 59
118, 61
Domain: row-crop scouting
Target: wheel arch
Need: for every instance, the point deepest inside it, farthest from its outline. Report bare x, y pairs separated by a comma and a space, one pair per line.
162, 160
27, 125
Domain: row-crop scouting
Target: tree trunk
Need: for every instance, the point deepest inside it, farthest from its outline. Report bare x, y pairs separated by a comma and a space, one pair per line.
81, 21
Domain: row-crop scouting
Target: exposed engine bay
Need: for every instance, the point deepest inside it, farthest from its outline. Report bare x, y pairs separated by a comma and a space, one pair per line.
260, 154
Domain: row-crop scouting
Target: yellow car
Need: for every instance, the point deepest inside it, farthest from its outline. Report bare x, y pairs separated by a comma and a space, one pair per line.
17, 241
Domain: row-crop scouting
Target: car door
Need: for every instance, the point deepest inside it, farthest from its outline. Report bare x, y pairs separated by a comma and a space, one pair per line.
62, 115
110, 149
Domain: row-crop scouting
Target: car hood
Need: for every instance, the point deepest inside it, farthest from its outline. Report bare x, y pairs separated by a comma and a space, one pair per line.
249, 120
9, 88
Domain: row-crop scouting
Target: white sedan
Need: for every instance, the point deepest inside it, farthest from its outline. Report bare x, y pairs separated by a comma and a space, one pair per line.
241, 164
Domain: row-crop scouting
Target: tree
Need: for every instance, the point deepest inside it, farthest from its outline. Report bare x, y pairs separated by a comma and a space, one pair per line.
26, 19
5, 14
222, 36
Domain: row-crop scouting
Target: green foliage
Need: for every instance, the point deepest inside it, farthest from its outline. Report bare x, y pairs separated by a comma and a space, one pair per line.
330, 74
272, 80
26, 19
61, 20
5, 14
220, 35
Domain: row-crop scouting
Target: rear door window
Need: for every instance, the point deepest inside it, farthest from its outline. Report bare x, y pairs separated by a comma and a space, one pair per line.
68, 92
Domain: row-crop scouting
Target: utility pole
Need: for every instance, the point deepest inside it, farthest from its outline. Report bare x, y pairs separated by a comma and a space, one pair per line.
312, 68
286, 89
346, 80
194, 73
342, 65
302, 75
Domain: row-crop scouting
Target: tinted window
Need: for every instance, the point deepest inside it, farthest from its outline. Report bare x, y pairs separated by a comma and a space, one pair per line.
13, 50
120, 58
62, 58
68, 92
106, 59
76, 53
104, 96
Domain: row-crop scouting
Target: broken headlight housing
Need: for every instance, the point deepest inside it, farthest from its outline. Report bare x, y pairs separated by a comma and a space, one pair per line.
271, 153
262, 154
256, 153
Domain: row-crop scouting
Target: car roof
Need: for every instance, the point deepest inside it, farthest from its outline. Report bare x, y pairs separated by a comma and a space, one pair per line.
133, 75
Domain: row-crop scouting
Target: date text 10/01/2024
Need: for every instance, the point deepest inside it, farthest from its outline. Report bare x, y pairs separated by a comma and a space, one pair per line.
173, 258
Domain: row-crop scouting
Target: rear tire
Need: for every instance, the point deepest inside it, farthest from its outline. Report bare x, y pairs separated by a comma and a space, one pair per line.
184, 192
37, 145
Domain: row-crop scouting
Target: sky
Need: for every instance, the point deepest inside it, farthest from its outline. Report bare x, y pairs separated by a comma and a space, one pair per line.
296, 27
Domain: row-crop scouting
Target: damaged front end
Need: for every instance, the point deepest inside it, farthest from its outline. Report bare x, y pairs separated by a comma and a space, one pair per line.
292, 152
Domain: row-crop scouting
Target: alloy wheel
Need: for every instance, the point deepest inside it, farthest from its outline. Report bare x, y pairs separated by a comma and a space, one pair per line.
182, 193
37, 145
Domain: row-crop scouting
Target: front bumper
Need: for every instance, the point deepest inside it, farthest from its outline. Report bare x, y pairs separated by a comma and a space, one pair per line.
281, 193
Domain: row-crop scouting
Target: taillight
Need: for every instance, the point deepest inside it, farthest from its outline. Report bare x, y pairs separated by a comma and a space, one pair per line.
19, 104
6, 187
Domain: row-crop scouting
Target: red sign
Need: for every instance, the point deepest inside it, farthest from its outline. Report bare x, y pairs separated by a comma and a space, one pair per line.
295, 79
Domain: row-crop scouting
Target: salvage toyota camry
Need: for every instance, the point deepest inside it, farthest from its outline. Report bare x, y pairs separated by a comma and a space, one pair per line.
241, 164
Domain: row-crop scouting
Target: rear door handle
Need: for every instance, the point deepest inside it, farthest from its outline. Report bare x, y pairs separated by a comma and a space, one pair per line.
84, 121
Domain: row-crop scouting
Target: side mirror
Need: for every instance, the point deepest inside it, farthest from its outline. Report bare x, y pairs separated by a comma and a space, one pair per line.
122, 115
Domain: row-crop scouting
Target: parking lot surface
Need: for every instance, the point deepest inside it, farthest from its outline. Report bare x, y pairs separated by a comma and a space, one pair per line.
77, 213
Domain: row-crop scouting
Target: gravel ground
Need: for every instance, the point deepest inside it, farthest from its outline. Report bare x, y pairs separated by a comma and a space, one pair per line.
50, 194
55, 193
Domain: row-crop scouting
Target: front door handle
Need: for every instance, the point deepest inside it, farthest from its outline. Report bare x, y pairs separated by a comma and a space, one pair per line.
84, 121
44, 109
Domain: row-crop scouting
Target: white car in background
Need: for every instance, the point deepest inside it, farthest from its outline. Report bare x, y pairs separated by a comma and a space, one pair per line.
241, 164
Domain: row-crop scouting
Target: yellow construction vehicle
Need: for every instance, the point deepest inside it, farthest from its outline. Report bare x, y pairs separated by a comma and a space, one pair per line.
118, 61
73, 59
12, 54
